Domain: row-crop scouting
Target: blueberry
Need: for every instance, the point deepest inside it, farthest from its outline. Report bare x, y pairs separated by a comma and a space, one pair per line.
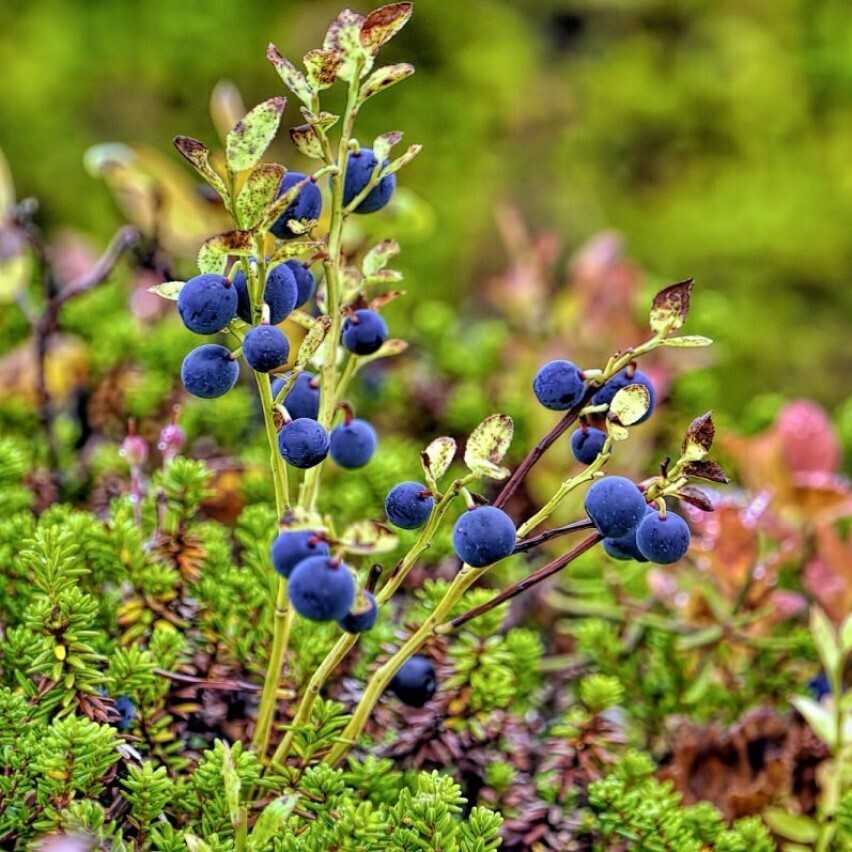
303, 399
364, 333
359, 170
126, 712
362, 616
206, 303
306, 284
321, 589
624, 547
415, 682
307, 205
558, 385
615, 505
663, 540
617, 382
409, 505
209, 371
483, 535
586, 444
820, 686
280, 293
353, 444
290, 548
303, 443
266, 348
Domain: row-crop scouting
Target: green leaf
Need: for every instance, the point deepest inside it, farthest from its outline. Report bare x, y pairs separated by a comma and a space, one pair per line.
437, 457
281, 204
199, 156
796, 827
292, 248
305, 138
378, 256
270, 823
616, 431
846, 635
293, 79
670, 307
325, 120
231, 783
691, 341
313, 340
16, 266
321, 67
382, 24
386, 350
384, 78
825, 640
698, 438
366, 537
404, 160
196, 844
630, 404
488, 444
258, 193
168, 289
819, 718
344, 35
214, 253
248, 141
383, 144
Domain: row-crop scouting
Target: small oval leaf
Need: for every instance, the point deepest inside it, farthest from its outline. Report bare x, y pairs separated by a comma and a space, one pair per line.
306, 140
378, 256
690, 341
293, 79
214, 253
384, 78
670, 307
365, 537
313, 339
258, 192
383, 144
699, 438
281, 204
616, 431
386, 350
629, 405
199, 156
321, 67
344, 36
404, 160
438, 457
382, 24
248, 141
488, 444
168, 289
290, 249
708, 470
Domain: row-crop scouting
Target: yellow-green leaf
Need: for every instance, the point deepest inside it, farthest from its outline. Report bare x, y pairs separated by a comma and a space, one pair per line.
378, 256
629, 405
365, 537
321, 67
258, 193
488, 444
699, 438
305, 138
796, 827
690, 341
438, 457
248, 141
198, 155
344, 35
670, 307
819, 718
214, 253
293, 79
168, 289
313, 340
384, 78
382, 24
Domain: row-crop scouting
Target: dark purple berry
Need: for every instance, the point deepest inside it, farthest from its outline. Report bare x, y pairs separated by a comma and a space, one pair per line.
207, 303
307, 205
306, 284
359, 169
364, 332
303, 443
266, 348
615, 506
409, 505
483, 535
290, 548
303, 399
209, 371
352, 444
586, 444
280, 293
624, 547
558, 385
321, 589
620, 380
362, 616
126, 712
663, 539
415, 682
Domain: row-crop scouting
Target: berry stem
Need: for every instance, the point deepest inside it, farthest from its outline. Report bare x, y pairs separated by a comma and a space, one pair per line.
549, 535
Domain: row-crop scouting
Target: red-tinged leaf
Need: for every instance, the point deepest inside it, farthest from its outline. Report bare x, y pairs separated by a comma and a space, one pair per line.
250, 138
381, 25
321, 67
384, 78
305, 138
214, 253
198, 155
292, 78
383, 144
671, 307
258, 193
377, 303
695, 497
699, 437
708, 470
344, 35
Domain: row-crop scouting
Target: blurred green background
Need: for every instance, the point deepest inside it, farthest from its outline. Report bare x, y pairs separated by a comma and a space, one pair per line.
716, 137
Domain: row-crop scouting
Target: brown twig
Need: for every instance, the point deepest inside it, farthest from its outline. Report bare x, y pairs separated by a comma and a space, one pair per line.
549, 535
201, 683
522, 585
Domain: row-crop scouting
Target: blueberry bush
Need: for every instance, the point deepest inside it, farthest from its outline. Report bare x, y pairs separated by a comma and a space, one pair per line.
330, 634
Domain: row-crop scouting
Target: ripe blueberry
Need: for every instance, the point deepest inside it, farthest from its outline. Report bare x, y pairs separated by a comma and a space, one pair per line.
624, 547
209, 371
615, 505
352, 444
620, 380
663, 540
305, 281
206, 303
409, 505
290, 548
303, 399
321, 589
307, 205
364, 332
126, 712
359, 170
303, 443
280, 293
266, 348
558, 385
415, 682
362, 616
587, 443
483, 535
